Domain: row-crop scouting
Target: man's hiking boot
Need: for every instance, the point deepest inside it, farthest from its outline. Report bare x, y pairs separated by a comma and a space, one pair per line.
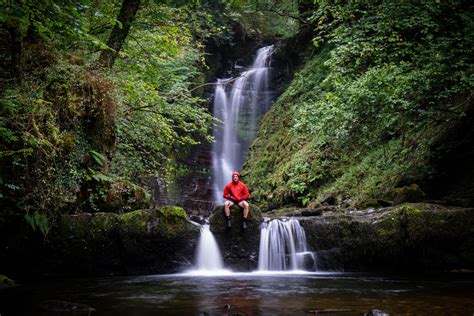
244, 224
228, 224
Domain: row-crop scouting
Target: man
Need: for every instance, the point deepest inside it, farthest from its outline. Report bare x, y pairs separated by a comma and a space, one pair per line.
236, 193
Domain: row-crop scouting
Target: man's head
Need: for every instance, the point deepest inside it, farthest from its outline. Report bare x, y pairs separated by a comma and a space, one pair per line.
235, 176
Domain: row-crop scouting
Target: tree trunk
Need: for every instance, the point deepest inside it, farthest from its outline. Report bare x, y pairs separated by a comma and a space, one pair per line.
12, 56
126, 17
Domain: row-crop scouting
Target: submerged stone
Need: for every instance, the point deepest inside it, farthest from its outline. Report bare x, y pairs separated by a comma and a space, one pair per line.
57, 306
376, 312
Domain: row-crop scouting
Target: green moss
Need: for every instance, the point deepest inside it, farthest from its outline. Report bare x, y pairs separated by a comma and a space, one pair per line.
104, 220
170, 222
411, 193
4, 280
133, 218
410, 210
369, 203
102, 223
284, 211
172, 212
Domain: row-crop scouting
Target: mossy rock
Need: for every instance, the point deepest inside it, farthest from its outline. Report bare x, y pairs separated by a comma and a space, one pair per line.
141, 241
167, 221
407, 194
124, 196
6, 282
160, 240
457, 201
103, 221
172, 222
239, 247
368, 203
135, 220
217, 219
408, 237
173, 213
283, 211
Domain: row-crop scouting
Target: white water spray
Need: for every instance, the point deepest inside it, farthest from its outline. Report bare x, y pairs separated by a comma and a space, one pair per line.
208, 255
283, 246
240, 103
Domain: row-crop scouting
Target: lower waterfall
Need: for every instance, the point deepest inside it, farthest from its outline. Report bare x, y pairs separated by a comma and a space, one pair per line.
208, 257
283, 247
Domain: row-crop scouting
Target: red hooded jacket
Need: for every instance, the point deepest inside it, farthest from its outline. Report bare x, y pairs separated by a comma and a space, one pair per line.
236, 191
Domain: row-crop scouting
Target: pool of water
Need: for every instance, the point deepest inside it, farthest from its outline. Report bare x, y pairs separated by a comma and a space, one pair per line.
251, 294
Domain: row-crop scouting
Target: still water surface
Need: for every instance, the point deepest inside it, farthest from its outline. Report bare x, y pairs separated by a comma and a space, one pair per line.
251, 294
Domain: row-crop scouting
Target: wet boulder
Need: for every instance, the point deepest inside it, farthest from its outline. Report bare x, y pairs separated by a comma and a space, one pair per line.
56, 306
408, 237
376, 312
6, 282
239, 247
138, 242
411, 193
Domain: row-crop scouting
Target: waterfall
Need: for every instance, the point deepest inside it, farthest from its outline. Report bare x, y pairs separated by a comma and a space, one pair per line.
240, 103
208, 256
283, 247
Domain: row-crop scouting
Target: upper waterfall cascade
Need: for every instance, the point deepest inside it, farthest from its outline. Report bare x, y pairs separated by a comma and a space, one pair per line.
240, 103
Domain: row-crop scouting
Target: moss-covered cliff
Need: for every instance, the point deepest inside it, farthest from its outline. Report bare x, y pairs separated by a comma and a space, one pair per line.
138, 242
408, 237
385, 102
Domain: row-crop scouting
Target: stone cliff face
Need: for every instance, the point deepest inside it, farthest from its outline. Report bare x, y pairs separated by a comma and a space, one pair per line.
139, 242
409, 237
406, 238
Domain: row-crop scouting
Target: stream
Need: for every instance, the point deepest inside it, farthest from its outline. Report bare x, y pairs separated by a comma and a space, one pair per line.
251, 294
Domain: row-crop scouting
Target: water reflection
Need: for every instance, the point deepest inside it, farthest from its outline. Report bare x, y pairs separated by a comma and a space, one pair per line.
251, 294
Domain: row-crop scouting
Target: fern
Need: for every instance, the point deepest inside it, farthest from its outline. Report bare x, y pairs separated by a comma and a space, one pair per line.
38, 221
98, 157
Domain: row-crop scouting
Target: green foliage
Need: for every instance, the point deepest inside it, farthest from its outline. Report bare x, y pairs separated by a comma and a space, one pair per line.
38, 221
58, 22
159, 116
74, 138
97, 157
50, 160
267, 18
359, 120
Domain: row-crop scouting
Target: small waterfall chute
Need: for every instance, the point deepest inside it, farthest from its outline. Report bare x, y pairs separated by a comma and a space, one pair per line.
208, 257
283, 247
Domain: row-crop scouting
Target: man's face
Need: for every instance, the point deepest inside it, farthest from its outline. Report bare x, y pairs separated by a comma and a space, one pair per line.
235, 178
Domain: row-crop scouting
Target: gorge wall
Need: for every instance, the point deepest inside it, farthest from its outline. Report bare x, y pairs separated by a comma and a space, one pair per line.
362, 121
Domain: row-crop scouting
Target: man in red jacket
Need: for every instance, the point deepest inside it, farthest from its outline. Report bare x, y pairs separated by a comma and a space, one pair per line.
236, 193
